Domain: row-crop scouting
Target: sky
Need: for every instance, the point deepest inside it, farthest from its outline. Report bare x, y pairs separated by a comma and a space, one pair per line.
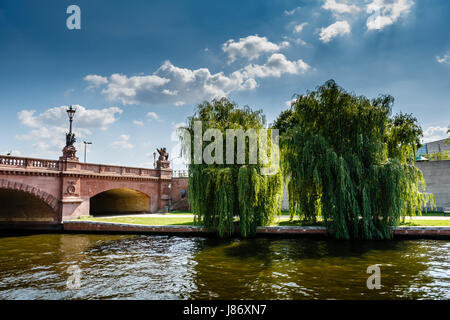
136, 70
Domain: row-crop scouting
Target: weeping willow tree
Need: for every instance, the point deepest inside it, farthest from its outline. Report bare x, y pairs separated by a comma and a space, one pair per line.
224, 192
347, 160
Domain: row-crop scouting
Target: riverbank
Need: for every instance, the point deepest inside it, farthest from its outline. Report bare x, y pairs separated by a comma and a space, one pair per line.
283, 220
79, 226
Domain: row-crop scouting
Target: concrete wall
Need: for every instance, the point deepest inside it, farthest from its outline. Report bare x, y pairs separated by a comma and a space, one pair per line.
437, 177
437, 146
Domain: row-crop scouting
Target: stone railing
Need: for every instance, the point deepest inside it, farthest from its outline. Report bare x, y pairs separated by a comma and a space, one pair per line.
19, 162
179, 173
87, 168
118, 170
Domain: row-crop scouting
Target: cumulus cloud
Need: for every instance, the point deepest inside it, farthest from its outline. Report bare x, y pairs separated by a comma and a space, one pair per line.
130, 89
122, 143
95, 80
435, 133
445, 59
298, 28
386, 12
340, 7
251, 47
85, 118
171, 84
152, 115
138, 123
174, 85
276, 65
338, 28
48, 129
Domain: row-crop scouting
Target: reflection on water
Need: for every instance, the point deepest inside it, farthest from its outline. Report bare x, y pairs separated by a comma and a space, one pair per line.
163, 267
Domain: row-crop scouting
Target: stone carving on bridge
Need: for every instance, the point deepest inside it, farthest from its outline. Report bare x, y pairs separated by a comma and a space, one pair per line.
163, 159
69, 153
71, 189
70, 139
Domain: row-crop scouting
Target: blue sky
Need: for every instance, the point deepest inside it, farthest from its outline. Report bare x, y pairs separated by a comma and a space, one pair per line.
137, 69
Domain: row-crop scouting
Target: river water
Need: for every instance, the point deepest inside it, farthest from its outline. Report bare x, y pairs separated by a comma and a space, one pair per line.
169, 267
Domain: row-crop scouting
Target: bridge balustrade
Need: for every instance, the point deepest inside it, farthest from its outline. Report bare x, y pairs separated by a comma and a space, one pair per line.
180, 173
20, 162
44, 164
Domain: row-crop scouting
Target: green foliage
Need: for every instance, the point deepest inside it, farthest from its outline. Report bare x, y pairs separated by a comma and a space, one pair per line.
221, 194
285, 121
403, 137
346, 159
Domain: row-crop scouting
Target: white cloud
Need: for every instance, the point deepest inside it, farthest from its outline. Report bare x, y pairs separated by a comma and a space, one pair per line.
84, 118
251, 47
276, 65
445, 59
298, 28
128, 90
334, 30
122, 143
297, 40
291, 12
48, 128
386, 12
174, 85
434, 133
152, 115
171, 84
138, 123
95, 80
340, 7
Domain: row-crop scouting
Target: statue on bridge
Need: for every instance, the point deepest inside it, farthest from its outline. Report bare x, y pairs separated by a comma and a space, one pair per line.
70, 139
163, 159
69, 151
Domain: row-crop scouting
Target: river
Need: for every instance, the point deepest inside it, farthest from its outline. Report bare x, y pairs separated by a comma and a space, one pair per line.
38, 266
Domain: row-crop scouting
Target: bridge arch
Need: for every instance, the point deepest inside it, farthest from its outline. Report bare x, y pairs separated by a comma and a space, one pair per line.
24, 203
119, 201
50, 200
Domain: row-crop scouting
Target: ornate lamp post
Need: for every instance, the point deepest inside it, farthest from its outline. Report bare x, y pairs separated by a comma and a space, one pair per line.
69, 151
71, 112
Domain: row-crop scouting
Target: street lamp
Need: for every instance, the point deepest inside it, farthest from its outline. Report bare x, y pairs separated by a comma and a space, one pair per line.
85, 143
71, 112
70, 137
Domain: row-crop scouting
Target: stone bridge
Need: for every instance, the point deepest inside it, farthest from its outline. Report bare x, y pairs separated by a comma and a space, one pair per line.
39, 192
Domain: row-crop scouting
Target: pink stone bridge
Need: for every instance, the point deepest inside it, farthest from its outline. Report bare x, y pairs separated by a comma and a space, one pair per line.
40, 193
